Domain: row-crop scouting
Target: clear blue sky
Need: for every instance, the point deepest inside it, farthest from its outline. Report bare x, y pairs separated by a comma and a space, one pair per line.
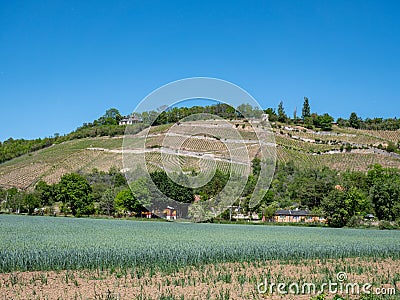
63, 63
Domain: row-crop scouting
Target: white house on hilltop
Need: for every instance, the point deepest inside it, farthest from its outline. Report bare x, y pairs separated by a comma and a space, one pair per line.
129, 120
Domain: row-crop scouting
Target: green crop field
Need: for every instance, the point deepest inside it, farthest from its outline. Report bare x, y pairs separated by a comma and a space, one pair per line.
45, 243
70, 258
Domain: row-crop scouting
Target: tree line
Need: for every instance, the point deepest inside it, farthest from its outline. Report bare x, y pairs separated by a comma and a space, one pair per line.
344, 198
325, 121
307, 119
77, 194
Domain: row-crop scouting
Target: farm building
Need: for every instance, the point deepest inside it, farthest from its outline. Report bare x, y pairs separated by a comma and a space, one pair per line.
297, 216
170, 213
146, 214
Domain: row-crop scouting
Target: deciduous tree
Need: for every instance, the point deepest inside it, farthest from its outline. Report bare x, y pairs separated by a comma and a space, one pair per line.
354, 120
75, 192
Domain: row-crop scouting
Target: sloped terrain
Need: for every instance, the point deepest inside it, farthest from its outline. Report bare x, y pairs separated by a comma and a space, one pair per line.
51, 163
341, 149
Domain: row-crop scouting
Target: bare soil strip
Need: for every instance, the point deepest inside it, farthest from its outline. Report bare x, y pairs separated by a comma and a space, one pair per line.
221, 281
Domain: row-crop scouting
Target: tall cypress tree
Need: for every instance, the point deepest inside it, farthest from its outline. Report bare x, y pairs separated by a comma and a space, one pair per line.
306, 112
282, 117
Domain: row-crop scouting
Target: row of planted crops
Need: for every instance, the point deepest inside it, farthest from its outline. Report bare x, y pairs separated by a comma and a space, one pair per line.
46, 243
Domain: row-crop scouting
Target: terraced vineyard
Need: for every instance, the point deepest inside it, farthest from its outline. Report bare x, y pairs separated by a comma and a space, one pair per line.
306, 148
347, 135
393, 136
299, 145
353, 161
51, 163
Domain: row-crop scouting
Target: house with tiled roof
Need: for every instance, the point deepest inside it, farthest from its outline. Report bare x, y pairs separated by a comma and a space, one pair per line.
297, 216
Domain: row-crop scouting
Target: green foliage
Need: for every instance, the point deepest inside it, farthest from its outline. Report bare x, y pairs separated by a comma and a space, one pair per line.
171, 189
31, 202
118, 178
342, 122
111, 117
256, 166
282, 117
380, 124
112, 178
335, 208
268, 210
319, 297
391, 147
343, 198
385, 225
75, 193
306, 111
95, 130
357, 202
45, 192
272, 116
385, 192
11, 148
309, 122
310, 186
125, 202
324, 122
13, 200
341, 206
374, 297
355, 222
351, 179
348, 147
141, 192
107, 202
214, 187
173, 115
354, 120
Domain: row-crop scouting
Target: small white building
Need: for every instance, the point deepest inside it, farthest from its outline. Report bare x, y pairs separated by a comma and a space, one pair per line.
129, 120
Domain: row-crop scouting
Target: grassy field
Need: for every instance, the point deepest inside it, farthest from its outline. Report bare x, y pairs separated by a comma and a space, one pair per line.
147, 260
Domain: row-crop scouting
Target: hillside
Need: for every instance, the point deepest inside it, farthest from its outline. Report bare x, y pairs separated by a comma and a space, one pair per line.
51, 163
340, 149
